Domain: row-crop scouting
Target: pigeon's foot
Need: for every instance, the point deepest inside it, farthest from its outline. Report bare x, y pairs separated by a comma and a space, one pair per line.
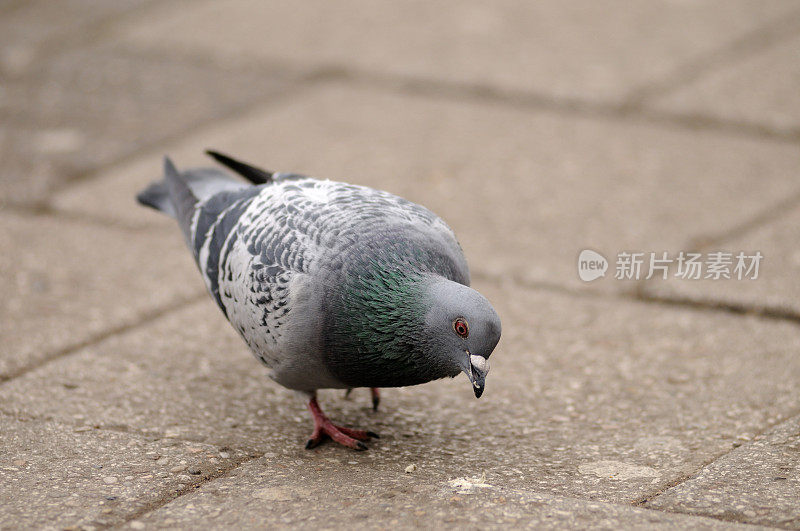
323, 427
376, 397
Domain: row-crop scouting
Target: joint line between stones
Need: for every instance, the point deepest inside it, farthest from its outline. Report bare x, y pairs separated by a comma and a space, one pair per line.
231, 465
97, 338
755, 41
643, 500
170, 497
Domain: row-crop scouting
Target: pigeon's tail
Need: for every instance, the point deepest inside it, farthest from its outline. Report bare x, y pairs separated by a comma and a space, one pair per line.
190, 194
156, 196
172, 195
202, 183
175, 194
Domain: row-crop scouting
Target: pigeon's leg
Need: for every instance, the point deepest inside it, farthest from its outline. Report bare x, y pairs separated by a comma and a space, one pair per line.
324, 427
376, 397
347, 393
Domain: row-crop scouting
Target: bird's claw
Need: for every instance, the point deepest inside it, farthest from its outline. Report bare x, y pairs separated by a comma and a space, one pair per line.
323, 428
345, 436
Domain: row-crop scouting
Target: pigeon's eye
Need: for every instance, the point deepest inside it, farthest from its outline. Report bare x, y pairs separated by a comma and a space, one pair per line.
461, 327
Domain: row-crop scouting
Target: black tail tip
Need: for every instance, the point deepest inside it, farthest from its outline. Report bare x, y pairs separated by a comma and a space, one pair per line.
251, 173
219, 157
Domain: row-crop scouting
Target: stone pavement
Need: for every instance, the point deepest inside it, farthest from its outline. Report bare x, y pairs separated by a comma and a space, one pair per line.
536, 130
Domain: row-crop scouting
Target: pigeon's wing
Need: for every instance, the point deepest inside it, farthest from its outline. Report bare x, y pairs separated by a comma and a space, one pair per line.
368, 220
213, 229
259, 251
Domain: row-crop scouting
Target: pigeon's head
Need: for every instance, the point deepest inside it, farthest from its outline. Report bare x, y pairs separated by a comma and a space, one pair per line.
465, 329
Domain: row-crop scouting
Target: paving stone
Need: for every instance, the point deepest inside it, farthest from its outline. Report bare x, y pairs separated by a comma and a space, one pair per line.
301, 495
759, 89
589, 397
88, 107
756, 483
65, 282
776, 285
524, 191
53, 476
551, 47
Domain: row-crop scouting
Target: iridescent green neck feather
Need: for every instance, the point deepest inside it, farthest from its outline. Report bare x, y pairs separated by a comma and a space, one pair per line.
377, 336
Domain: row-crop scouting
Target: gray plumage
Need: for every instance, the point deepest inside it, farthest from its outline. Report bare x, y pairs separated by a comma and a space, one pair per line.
331, 285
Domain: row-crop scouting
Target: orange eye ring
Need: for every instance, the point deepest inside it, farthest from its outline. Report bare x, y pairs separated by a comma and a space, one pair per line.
461, 327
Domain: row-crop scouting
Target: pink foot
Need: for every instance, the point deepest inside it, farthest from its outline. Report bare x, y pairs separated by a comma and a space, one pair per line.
323, 427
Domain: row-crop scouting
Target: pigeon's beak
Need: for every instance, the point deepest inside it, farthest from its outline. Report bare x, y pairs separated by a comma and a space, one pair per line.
478, 369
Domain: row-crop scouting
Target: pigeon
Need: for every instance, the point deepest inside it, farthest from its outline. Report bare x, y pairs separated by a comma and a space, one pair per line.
331, 285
